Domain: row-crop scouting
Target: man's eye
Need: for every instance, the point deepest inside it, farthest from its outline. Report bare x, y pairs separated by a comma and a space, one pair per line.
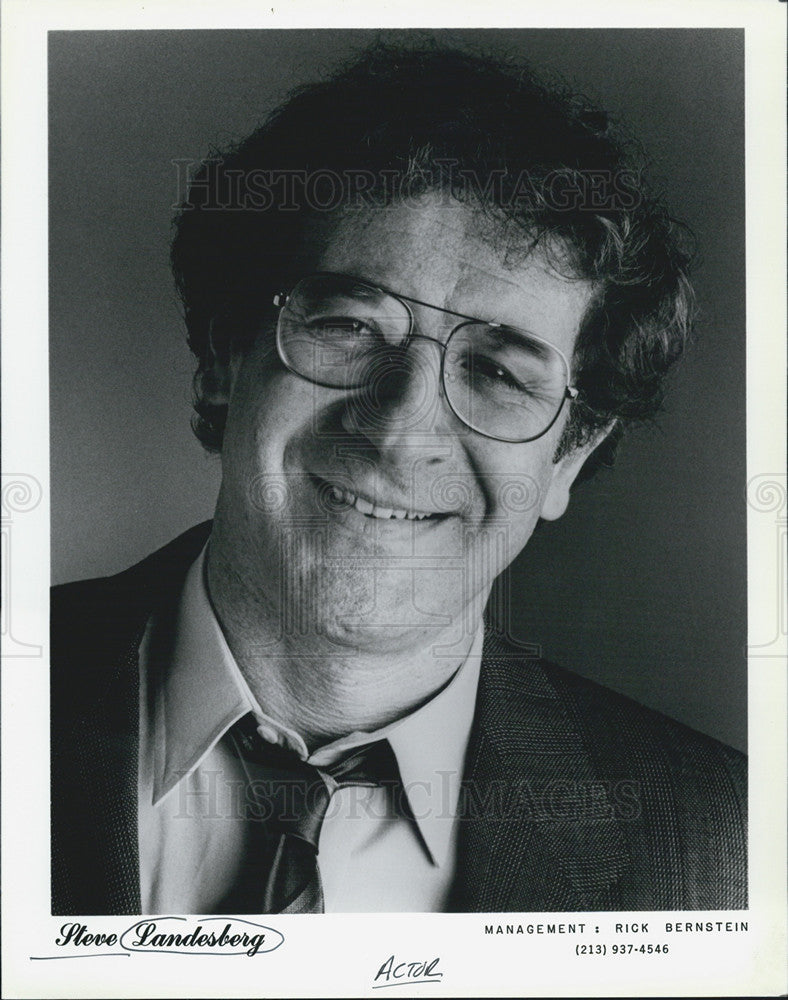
339, 326
489, 370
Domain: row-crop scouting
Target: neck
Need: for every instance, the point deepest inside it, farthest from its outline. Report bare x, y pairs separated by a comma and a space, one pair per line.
324, 689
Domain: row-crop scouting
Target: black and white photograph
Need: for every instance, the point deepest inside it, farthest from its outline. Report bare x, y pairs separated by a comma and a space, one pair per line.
398, 497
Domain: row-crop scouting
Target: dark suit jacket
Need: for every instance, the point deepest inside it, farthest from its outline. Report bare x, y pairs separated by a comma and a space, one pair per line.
574, 798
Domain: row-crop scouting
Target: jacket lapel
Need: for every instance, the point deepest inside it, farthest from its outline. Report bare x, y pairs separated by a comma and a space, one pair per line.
108, 769
95, 715
537, 829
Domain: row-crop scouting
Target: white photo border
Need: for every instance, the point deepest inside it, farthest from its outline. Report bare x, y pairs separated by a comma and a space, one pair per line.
338, 955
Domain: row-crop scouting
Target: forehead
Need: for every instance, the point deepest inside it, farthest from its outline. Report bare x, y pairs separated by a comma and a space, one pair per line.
449, 255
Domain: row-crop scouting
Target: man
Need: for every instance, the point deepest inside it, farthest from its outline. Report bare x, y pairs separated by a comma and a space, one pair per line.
424, 297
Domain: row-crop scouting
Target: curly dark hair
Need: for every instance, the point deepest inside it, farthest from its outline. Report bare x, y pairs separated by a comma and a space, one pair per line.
400, 122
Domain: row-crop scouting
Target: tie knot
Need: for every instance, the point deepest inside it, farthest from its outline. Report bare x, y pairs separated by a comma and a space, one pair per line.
370, 764
292, 795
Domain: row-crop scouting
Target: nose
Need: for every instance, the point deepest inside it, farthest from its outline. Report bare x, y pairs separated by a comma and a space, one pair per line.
402, 404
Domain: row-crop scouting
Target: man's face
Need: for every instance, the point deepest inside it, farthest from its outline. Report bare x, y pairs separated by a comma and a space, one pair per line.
306, 531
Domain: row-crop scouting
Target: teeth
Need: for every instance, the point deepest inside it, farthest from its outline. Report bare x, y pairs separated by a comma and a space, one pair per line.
370, 509
364, 506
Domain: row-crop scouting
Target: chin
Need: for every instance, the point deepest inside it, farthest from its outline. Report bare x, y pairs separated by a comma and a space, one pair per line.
364, 611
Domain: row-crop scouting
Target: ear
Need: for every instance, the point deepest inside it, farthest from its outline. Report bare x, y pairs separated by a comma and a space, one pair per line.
216, 376
563, 475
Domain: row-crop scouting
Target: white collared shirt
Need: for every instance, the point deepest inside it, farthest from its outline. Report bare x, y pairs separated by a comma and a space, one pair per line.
193, 835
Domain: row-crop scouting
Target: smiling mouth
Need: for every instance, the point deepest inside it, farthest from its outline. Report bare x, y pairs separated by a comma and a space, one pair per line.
345, 497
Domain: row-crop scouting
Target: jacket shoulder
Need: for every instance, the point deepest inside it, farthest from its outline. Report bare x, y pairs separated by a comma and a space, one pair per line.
90, 608
606, 720
616, 724
96, 625
157, 571
677, 798
688, 793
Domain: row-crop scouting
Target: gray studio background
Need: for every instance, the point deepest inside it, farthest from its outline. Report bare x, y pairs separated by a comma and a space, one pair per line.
642, 585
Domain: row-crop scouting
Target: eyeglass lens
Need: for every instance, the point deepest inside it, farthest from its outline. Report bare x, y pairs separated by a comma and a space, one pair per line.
336, 331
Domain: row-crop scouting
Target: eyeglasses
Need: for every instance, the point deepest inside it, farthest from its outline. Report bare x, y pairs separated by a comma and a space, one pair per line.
344, 333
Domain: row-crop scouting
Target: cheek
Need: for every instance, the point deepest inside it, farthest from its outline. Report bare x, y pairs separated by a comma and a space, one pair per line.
262, 409
515, 491
515, 480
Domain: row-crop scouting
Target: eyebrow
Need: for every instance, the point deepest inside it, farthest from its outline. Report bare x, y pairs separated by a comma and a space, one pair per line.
373, 285
492, 323
519, 338
516, 336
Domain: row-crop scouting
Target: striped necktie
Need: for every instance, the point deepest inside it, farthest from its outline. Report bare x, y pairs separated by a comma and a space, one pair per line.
292, 799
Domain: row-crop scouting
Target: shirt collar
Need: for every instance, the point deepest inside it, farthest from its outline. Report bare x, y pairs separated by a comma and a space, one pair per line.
203, 693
